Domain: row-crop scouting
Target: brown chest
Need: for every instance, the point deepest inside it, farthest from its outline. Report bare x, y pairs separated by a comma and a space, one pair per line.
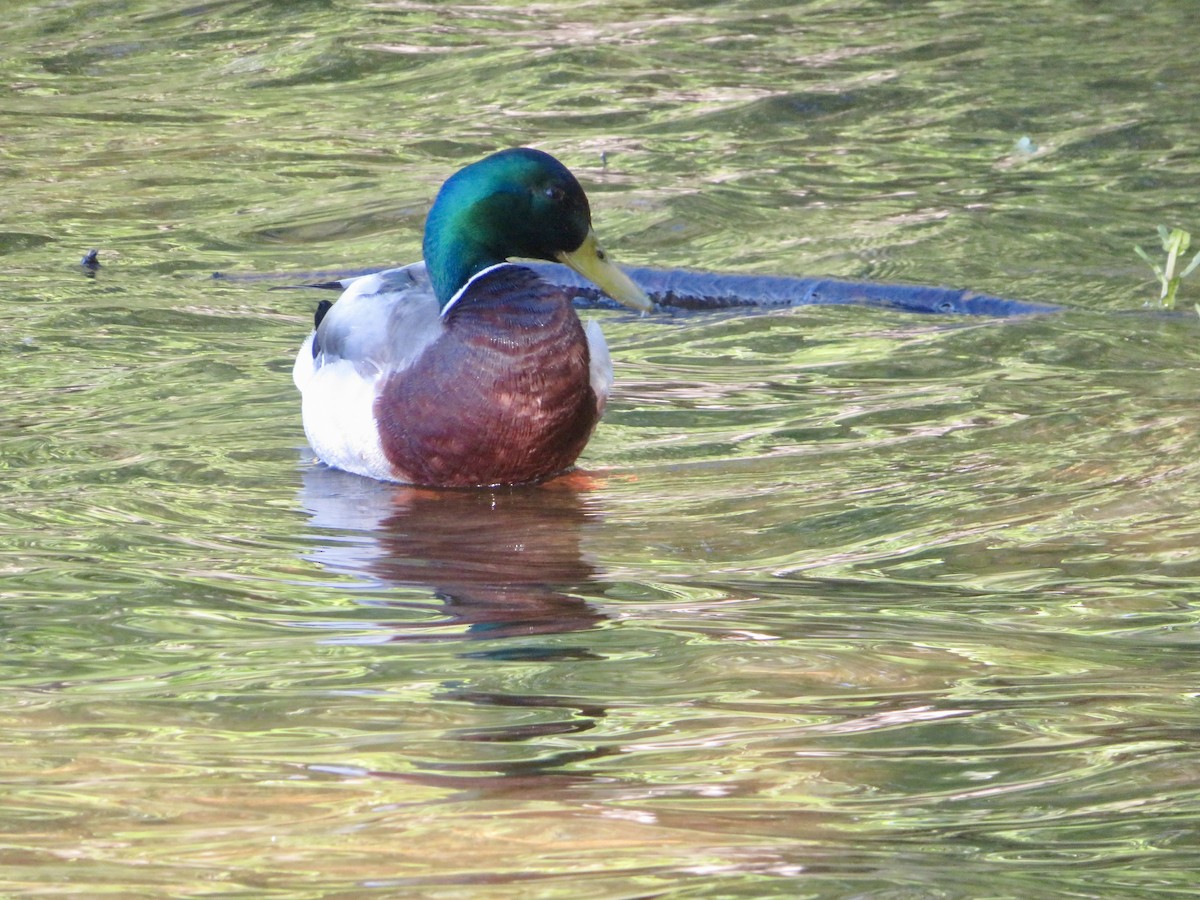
502, 397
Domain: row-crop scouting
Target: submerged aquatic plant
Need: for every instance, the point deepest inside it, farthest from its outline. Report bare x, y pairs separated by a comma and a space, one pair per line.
1175, 243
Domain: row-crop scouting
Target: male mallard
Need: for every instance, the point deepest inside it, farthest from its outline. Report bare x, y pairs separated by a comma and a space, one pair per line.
488, 379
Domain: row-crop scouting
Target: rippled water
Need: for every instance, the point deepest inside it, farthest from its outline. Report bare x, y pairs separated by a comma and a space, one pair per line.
843, 602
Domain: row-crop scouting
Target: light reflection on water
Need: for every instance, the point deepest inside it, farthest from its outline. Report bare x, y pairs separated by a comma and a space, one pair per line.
844, 602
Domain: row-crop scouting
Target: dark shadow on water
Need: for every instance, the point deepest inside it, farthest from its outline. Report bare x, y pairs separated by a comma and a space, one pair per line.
685, 290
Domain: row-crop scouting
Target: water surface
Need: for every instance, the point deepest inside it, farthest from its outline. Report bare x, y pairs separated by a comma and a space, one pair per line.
843, 602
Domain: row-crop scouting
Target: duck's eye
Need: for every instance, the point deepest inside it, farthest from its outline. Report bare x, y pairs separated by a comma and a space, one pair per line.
554, 193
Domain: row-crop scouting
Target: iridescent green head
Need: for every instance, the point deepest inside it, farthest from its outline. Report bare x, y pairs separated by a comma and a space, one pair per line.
516, 203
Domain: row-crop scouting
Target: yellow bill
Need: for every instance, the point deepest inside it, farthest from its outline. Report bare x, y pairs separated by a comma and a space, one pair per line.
590, 261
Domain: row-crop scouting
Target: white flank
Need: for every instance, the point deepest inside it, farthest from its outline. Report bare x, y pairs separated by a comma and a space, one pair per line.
339, 415
600, 370
380, 325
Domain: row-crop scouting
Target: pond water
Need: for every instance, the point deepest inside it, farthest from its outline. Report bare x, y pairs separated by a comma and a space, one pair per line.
842, 601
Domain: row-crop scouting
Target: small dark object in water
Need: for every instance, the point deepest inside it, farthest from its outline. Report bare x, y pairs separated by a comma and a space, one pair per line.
91, 262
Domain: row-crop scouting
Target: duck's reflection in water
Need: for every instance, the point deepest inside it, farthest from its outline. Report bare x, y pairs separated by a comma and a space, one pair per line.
505, 563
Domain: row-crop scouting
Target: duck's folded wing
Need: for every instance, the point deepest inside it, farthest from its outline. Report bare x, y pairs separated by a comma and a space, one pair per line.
381, 323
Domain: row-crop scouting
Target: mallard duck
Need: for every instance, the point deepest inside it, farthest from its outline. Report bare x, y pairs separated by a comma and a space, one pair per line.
487, 379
